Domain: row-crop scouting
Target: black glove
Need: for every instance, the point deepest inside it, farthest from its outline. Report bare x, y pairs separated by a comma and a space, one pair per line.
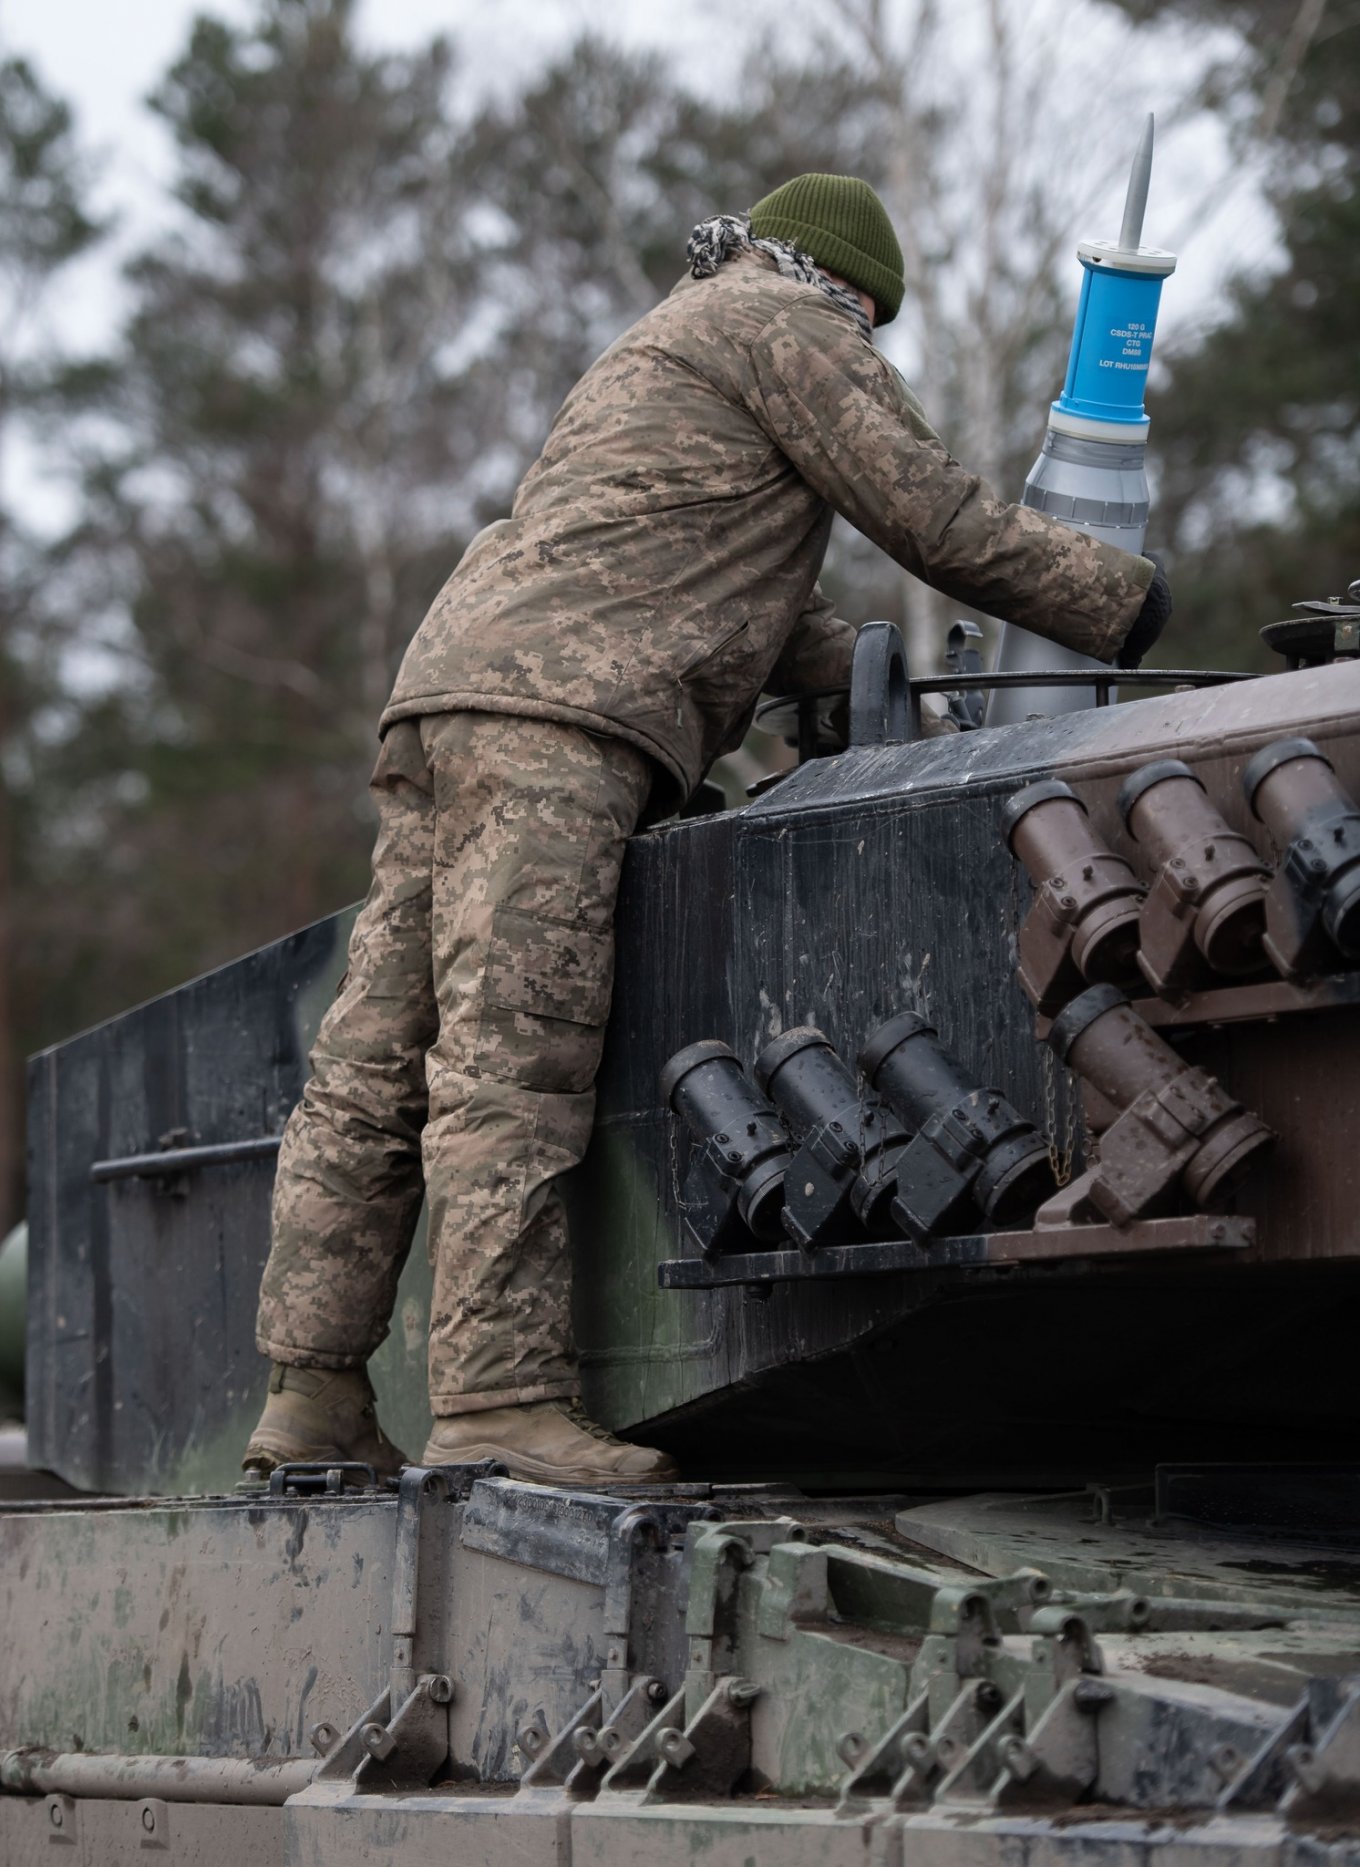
1151, 619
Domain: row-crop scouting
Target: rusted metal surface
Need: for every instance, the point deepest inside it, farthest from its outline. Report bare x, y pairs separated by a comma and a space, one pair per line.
1174, 1128
1204, 914
1264, 1001
1062, 1243
1083, 921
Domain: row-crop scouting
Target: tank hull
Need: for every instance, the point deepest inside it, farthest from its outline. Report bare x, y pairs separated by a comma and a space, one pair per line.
877, 882
862, 886
989, 1556
480, 1671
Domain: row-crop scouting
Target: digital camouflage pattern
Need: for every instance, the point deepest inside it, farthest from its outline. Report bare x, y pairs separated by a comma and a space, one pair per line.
658, 573
659, 568
460, 1056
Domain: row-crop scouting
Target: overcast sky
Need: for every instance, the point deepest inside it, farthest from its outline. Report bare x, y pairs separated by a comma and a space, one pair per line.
105, 56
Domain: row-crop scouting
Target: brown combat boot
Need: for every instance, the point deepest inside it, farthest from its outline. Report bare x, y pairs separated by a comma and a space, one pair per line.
314, 1415
548, 1442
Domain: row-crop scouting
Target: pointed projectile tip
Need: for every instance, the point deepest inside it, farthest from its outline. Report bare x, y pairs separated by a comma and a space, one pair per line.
1135, 201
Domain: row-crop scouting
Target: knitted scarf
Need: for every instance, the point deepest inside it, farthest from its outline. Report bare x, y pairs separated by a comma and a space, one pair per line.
716, 240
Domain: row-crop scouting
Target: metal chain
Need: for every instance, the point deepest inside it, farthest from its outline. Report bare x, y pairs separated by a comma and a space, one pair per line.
1060, 1158
673, 1154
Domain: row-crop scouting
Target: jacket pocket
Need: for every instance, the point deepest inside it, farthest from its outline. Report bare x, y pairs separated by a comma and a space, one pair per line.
705, 655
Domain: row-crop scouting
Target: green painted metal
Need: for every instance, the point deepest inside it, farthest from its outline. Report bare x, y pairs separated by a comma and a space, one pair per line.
830, 1682
211, 1462
13, 1282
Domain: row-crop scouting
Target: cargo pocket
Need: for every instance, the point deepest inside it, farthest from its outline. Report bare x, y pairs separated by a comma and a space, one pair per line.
545, 999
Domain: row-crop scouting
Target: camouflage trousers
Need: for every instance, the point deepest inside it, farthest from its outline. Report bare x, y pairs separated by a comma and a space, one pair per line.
458, 1060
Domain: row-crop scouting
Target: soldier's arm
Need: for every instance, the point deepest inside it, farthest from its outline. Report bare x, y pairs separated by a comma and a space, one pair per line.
843, 417
817, 653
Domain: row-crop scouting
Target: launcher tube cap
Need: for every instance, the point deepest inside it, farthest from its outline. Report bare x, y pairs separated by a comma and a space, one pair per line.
1140, 782
788, 1044
1270, 758
887, 1038
1041, 793
1080, 1014
678, 1067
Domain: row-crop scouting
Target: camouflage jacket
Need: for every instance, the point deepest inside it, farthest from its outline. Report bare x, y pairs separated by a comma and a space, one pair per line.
659, 568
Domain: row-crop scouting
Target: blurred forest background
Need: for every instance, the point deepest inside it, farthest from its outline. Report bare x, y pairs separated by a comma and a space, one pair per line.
379, 281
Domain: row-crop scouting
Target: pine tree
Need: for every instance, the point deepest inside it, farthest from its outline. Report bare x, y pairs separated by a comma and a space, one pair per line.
44, 224
1255, 428
295, 440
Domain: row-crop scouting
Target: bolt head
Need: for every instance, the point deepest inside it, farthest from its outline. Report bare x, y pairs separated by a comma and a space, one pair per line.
1225, 1761
674, 1746
149, 1820
1018, 1758
378, 1741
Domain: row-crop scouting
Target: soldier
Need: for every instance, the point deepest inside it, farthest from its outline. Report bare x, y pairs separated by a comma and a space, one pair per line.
583, 666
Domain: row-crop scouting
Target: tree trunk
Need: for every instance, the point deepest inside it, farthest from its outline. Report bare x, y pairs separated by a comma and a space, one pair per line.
11, 1098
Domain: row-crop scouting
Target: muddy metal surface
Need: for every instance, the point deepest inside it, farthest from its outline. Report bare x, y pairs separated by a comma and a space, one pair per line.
1004, 1554
484, 1671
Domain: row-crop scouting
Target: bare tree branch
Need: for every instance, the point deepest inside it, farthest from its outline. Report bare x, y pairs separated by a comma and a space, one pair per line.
1292, 54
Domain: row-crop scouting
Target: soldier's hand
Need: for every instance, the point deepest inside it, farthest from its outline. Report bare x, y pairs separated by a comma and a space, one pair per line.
1151, 619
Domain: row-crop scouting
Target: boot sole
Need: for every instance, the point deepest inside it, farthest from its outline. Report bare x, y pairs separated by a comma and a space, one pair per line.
269, 1450
538, 1471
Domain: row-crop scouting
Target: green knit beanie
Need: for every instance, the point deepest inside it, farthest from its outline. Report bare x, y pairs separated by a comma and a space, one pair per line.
842, 223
